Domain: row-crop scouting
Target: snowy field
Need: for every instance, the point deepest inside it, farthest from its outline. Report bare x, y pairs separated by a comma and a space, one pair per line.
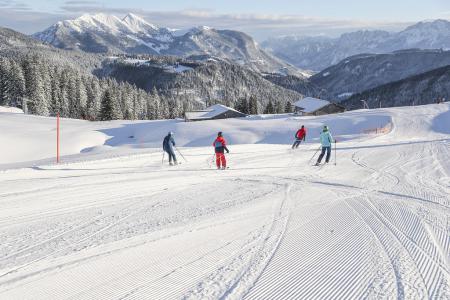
111, 222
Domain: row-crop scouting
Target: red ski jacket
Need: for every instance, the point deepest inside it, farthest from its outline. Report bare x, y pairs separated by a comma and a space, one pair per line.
220, 145
301, 134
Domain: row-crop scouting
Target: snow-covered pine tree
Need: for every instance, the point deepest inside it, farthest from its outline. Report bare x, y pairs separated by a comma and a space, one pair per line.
5, 82
150, 109
159, 107
63, 95
288, 108
17, 87
81, 97
55, 99
93, 100
108, 109
38, 103
173, 108
141, 97
126, 96
253, 105
242, 105
278, 108
35, 91
44, 72
74, 105
269, 108
114, 87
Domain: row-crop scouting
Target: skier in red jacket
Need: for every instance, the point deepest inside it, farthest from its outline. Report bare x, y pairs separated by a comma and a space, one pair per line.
299, 137
220, 146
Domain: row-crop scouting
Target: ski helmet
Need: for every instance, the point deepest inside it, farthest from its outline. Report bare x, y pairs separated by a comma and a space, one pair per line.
219, 133
170, 133
325, 128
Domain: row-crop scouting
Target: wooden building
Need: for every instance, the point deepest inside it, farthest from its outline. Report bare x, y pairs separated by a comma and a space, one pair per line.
214, 112
315, 107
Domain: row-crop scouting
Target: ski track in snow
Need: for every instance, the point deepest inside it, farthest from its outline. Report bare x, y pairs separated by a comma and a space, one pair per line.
376, 226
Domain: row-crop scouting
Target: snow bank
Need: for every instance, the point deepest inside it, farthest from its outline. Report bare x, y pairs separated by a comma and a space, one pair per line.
442, 123
26, 138
7, 109
253, 130
29, 138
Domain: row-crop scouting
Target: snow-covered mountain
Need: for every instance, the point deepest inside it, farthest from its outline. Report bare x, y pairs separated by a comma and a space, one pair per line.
102, 33
318, 53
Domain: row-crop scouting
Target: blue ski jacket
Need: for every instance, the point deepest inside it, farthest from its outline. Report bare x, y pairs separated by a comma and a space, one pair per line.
326, 139
168, 143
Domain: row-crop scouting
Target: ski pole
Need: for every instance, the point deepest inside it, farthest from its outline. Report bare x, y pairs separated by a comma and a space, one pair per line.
335, 156
315, 154
211, 160
181, 154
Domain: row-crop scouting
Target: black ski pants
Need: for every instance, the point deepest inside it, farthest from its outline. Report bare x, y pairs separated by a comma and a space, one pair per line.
328, 150
296, 144
172, 156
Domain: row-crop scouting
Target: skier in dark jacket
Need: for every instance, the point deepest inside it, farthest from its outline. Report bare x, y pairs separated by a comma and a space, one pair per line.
168, 146
220, 146
299, 137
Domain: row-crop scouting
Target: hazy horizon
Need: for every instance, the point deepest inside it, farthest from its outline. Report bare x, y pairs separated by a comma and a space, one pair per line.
260, 19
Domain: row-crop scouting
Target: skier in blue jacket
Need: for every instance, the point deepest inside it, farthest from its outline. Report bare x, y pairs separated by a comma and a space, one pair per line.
326, 139
168, 145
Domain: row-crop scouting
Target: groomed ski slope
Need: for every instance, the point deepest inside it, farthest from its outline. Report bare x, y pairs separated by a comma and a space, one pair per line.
113, 223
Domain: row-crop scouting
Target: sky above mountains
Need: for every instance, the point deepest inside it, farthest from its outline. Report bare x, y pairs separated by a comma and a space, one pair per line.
260, 18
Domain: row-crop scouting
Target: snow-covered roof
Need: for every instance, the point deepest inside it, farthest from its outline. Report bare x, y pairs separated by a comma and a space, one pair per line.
9, 109
309, 104
209, 113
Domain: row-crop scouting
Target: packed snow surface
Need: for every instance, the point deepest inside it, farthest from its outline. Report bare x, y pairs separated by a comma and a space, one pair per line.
112, 222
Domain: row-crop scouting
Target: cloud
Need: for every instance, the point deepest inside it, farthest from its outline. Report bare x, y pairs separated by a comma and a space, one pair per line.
14, 5
444, 15
27, 21
260, 26
80, 2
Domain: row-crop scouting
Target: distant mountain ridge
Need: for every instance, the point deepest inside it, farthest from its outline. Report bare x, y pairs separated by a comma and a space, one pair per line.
365, 71
102, 33
318, 53
419, 89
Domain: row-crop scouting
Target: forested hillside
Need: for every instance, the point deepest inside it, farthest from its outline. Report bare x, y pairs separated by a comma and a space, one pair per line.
204, 83
45, 81
421, 89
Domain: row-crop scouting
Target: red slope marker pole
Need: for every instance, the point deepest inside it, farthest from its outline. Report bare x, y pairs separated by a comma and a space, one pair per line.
57, 138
